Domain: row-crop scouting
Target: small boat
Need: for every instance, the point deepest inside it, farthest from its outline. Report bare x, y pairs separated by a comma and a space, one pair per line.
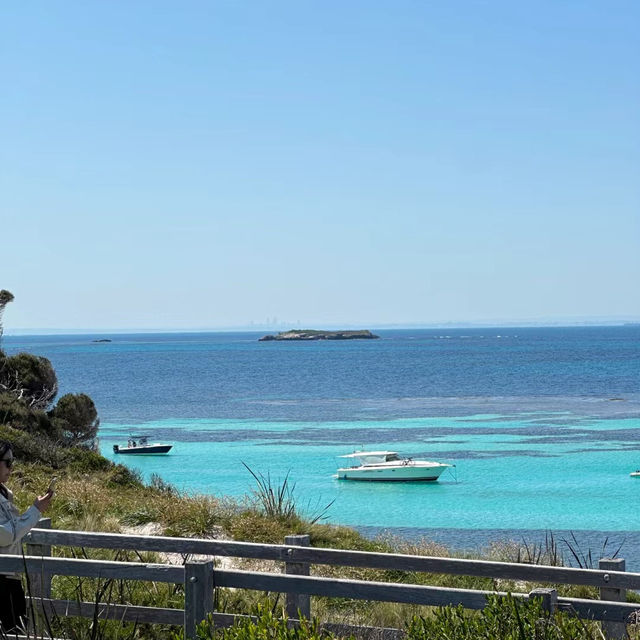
635, 474
388, 466
139, 445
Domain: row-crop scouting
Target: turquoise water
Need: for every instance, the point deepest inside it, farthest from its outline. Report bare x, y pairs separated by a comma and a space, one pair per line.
534, 471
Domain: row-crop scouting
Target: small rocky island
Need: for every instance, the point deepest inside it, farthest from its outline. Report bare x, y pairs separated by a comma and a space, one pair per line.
313, 334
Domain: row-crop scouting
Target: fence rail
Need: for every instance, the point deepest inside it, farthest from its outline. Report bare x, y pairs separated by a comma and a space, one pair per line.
363, 559
200, 578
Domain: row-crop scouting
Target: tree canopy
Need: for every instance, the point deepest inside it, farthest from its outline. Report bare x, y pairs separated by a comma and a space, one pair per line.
5, 298
28, 387
30, 378
75, 417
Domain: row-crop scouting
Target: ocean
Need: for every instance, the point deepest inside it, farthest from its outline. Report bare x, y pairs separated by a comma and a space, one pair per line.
542, 424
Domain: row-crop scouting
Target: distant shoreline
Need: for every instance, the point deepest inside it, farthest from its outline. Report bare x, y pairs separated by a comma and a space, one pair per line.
50, 331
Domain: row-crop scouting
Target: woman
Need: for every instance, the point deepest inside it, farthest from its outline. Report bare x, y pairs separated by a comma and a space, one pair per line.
13, 527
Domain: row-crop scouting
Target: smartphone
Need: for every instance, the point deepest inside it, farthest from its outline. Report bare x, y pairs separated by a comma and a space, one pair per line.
52, 484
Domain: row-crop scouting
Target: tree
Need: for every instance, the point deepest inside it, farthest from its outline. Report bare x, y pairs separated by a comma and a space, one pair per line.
5, 298
17, 414
76, 418
30, 378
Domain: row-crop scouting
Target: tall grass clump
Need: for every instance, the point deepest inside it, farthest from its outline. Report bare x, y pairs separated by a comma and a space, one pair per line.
277, 500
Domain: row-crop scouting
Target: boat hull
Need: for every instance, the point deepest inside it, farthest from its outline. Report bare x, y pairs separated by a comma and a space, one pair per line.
399, 474
145, 451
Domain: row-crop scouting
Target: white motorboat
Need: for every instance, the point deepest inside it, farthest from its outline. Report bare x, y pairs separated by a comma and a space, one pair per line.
140, 445
635, 474
388, 466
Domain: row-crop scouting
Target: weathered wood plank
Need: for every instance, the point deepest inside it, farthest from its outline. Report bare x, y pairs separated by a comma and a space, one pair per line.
92, 568
297, 604
356, 589
41, 585
613, 630
125, 612
599, 609
198, 595
312, 555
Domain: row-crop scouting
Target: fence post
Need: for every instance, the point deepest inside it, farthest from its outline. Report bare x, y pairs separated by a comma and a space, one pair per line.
198, 594
613, 630
40, 584
549, 599
297, 604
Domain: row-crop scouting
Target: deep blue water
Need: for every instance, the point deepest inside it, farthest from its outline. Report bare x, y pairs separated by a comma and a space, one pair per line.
408, 373
543, 424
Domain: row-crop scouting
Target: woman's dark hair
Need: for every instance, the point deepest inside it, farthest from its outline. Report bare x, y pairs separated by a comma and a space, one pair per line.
5, 447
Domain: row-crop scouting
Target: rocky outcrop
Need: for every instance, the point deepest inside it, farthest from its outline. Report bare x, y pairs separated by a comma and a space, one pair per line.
313, 334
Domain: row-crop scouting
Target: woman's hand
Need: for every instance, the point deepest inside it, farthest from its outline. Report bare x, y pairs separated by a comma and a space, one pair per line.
43, 502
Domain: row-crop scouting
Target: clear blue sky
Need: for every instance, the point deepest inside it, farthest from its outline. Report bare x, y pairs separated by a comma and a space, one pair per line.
208, 164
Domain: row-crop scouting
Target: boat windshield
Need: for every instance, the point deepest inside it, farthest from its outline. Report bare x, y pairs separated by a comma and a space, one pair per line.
392, 457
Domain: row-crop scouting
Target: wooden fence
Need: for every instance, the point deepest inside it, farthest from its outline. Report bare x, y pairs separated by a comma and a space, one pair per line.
201, 578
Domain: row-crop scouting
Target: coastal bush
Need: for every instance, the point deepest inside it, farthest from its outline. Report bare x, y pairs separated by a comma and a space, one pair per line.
121, 476
199, 516
16, 413
503, 619
75, 417
267, 624
251, 524
28, 447
83, 460
157, 483
30, 378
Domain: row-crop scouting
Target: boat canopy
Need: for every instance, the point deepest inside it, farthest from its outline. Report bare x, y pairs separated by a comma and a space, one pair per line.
360, 454
374, 457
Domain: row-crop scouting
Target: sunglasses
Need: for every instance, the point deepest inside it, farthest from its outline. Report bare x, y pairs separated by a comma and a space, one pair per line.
8, 462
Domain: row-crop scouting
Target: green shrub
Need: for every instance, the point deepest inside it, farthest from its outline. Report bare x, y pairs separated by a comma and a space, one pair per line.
265, 626
16, 413
121, 476
29, 377
142, 515
84, 460
503, 619
31, 448
75, 417
161, 485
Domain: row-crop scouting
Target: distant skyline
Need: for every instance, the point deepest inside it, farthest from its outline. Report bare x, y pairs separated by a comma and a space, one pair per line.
264, 328
205, 165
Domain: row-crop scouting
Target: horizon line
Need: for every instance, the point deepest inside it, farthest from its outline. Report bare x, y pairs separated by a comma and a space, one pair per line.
497, 324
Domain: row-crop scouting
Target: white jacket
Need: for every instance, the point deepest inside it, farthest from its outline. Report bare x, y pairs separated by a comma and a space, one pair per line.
13, 526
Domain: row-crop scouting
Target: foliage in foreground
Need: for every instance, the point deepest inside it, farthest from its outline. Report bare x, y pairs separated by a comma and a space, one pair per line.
266, 625
503, 619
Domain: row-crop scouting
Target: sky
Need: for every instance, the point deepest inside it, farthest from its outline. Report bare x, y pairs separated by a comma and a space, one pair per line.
219, 164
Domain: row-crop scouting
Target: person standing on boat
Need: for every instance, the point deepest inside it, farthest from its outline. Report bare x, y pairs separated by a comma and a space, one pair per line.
13, 527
